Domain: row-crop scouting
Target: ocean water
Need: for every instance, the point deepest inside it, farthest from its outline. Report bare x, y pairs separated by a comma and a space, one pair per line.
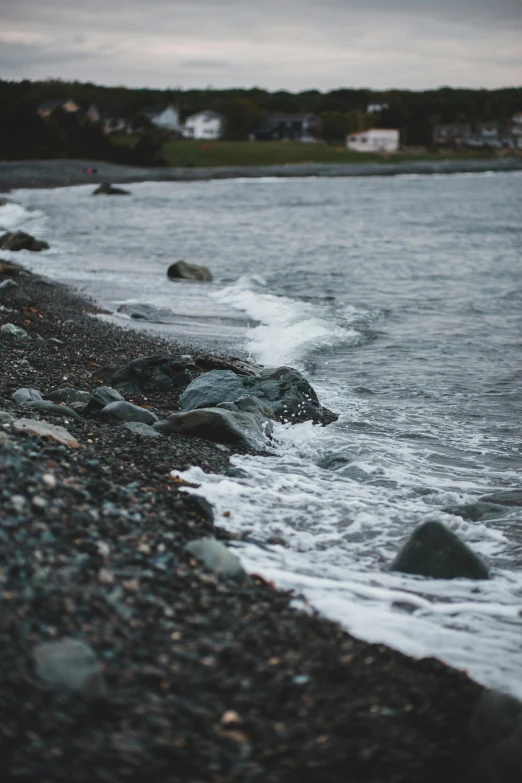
400, 298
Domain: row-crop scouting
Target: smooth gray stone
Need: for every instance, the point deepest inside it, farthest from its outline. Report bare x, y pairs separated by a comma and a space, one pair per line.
217, 558
435, 551
495, 729
145, 312
236, 427
183, 271
46, 406
140, 428
508, 497
284, 391
71, 665
101, 397
151, 374
26, 396
126, 411
15, 331
68, 395
6, 417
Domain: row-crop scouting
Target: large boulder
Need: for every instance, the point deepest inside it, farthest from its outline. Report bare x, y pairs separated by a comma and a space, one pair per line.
285, 391
126, 411
434, 550
145, 312
106, 189
151, 374
19, 240
183, 271
239, 428
239, 366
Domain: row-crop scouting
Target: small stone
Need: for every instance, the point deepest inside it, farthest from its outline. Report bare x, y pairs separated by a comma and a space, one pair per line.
26, 396
68, 395
217, 558
15, 331
8, 418
71, 665
105, 577
126, 411
39, 502
49, 480
43, 430
140, 428
101, 397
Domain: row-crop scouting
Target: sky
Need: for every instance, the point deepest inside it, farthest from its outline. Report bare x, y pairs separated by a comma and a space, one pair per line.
274, 44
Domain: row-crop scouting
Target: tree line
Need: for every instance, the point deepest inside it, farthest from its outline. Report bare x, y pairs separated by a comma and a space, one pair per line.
24, 134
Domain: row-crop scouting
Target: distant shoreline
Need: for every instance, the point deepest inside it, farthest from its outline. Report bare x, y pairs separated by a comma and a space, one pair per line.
63, 173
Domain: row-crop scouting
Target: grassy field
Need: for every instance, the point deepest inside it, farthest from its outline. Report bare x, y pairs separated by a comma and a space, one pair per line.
182, 153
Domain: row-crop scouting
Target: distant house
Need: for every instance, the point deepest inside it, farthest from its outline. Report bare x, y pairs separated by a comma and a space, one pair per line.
376, 108
166, 117
516, 129
294, 127
451, 132
46, 108
374, 140
203, 125
112, 117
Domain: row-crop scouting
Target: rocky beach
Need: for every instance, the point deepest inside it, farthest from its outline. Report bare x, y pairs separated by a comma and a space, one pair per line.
133, 643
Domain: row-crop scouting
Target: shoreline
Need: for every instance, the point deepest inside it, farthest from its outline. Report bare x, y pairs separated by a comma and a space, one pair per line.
66, 172
207, 679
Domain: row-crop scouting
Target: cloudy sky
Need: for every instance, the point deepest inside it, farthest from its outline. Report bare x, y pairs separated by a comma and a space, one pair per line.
276, 44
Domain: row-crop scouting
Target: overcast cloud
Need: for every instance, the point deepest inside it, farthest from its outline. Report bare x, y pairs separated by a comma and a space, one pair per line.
276, 44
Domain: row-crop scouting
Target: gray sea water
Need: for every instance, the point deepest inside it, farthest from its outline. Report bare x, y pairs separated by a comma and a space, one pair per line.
400, 298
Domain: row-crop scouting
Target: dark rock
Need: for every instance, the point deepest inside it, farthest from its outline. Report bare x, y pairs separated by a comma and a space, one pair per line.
509, 497
434, 550
105, 372
284, 390
217, 558
150, 374
140, 428
68, 395
239, 428
239, 366
106, 189
51, 408
8, 268
495, 729
474, 511
101, 397
15, 331
44, 281
126, 411
182, 271
145, 312
12, 293
19, 240
70, 665
26, 396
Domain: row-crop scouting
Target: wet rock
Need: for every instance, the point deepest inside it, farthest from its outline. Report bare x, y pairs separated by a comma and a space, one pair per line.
68, 395
126, 411
140, 428
284, 390
26, 396
495, 729
19, 240
52, 409
101, 397
15, 331
7, 268
217, 558
250, 405
145, 312
106, 189
183, 271
509, 497
243, 429
239, 366
150, 374
43, 430
71, 665
434, 550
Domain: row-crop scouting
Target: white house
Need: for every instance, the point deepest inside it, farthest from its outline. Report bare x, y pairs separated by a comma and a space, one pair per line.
204, 125
165, 117
374, 140
376, 108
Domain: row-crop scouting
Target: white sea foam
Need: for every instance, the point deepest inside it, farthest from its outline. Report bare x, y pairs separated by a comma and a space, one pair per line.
289, 329
15, 217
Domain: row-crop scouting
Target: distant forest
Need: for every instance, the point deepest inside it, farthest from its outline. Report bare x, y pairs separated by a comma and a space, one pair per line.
24, 134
